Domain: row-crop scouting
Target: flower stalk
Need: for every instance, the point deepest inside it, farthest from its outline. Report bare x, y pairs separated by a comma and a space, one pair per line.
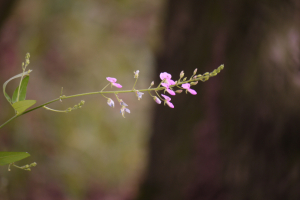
167, 84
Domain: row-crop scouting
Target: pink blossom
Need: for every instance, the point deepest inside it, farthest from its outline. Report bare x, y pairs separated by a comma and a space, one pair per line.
167, 101
187, 87
171, 92
113, 82
167, 77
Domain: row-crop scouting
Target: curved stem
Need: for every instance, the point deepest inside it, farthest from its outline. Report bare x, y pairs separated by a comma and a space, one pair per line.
64, 111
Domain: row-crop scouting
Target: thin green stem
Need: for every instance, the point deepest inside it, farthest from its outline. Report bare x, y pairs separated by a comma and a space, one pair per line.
99, 92
103, 89
158, 95
47, 108
134, 83
9, 120
117, 97
150, 94
20, 84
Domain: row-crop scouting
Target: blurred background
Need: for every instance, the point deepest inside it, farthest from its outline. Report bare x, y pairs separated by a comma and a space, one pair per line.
239, 138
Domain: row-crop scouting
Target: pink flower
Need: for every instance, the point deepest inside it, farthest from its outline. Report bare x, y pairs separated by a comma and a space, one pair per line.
167, 101
171, 92
187, 87
113, 82
167, 77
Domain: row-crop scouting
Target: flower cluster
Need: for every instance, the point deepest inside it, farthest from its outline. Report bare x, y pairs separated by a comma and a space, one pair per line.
20, 104
167, 84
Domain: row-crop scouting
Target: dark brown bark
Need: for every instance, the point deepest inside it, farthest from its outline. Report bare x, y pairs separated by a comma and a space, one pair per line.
239, 138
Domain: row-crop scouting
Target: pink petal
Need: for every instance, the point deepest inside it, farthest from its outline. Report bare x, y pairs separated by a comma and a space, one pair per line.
171, 92
112, 80
171, 82
165, 85
170, 104
186, 86
165, 75
157, 100
117, 85
193, 92
166, 97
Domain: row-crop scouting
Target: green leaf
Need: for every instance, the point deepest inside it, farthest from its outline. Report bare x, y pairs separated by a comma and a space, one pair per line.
10, 157
14, 77
23, 89
21, 106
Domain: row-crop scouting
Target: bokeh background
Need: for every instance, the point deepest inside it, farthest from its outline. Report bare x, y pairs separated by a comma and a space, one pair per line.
239, 138
93, 152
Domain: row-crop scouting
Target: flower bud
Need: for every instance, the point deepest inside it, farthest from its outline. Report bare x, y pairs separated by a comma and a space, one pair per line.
152, 83
184, 79
181, 74
136, 73
194, 83
110, 102
206, 74
157, 100
213, 74
178, 91
195, 71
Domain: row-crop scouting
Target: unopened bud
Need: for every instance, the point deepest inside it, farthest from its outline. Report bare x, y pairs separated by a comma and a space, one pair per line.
213, 74
204, 78
184, 79
194, 83
195, 71
136, 73
152, 83
181, 74
157, 100
178, 91
206, 74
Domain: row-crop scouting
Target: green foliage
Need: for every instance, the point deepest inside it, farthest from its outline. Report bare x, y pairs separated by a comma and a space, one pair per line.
10, 157
12, 78
21, 106
23, 90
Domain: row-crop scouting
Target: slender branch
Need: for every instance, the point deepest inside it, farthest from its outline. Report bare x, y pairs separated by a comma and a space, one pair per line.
9, 120
134, 83
99, 92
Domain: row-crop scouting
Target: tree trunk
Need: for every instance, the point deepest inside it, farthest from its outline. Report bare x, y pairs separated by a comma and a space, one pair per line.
239, 137
6, 7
